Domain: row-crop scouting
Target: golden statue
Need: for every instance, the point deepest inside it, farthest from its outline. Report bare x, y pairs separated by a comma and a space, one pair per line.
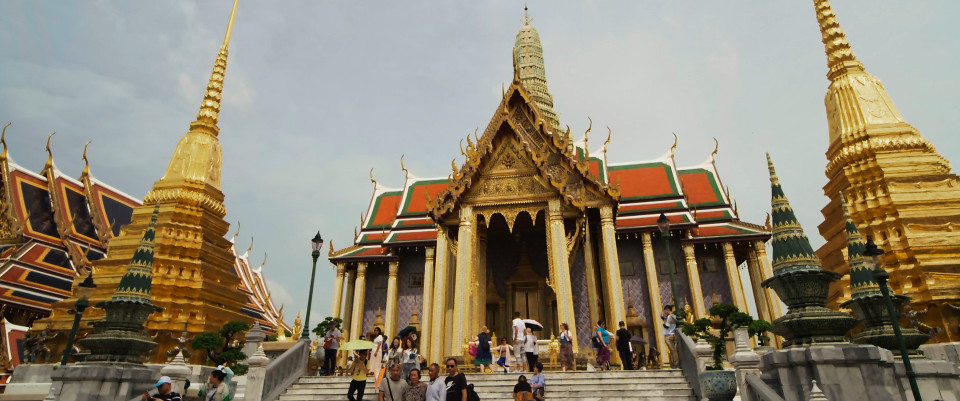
297, 328
554, 351
688, 313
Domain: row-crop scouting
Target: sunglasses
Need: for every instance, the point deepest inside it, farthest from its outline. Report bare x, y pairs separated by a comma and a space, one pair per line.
451, 366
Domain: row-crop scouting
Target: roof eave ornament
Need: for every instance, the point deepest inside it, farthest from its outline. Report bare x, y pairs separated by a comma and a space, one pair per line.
3, 140
674, 147
49, 164
86, 162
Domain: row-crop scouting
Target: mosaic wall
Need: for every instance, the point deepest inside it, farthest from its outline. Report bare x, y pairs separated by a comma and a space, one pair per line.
581, 300
410, 294
713, 274
634, 276
376, 297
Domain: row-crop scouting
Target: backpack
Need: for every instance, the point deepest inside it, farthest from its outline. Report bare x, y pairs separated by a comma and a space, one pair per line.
597, 343
471, 393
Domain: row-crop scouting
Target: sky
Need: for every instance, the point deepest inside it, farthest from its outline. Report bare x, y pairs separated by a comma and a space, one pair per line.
319, 92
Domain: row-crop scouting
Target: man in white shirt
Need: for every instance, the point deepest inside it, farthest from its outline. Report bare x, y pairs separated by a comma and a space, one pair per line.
438, 389
669, 335
518, 339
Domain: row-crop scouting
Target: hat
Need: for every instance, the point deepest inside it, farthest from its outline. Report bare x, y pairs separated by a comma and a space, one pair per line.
163, 379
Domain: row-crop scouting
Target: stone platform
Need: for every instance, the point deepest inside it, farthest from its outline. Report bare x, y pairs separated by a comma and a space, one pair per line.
652, 385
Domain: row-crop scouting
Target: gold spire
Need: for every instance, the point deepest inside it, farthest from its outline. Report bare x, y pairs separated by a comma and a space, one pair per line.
3, 140
210, 107
86, 163
526, 15
49, 155
839, 53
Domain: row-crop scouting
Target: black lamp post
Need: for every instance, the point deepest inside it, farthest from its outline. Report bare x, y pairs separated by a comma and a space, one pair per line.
880, 275
317, 244
83, 294
664, 223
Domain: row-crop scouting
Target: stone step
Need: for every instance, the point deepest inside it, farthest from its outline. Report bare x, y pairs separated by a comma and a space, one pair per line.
513, 378
319, 389
603, 396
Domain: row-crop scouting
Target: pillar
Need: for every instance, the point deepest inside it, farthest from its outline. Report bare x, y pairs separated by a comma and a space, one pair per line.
590, 273
439, 298
613, 287
360, 289
256, 376
463, 284
693, 275
753, 268
338, 291
346, 309
390, 318
733, 275
561, 266
653, 283
426, 316
766, 272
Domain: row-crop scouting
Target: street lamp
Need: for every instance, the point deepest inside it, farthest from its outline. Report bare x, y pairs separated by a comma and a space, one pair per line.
880, 275
317, 244
83, 301
664, 223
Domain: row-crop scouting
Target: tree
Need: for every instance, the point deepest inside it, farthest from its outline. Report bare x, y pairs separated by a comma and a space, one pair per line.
222, 348
324, 326
730, 319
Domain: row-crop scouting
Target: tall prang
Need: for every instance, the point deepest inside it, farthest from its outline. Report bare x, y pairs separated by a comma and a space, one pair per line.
193, 260
529, 68
899, 189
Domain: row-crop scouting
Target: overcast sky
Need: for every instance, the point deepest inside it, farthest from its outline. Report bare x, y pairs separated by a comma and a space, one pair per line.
318, 92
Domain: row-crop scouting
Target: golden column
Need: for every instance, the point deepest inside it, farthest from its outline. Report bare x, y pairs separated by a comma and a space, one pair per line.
766, 271
360, 287
656, 305
693, 275
390, 321
753, 267
463, 284
346, 310
613, 287
733, 275
561, 286
439, 297
427, 313
590, 271
337, 291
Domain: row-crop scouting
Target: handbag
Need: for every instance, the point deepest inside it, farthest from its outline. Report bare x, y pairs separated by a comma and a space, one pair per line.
328, 343
472, 350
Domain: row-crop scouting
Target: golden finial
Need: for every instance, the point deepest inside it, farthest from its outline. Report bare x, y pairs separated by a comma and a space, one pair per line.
475, 136
470, 146
766, 223
402, 167
332, 251
363, 221
3, 140
503, 89
49, 154
586, 139
86, 163
675, 140
736, 209
715, 148
250, 248
526, 15
210, 107
607, 142
371, 178
834, 39
461, 148
355, 236
264, 263
236, 233
774, 180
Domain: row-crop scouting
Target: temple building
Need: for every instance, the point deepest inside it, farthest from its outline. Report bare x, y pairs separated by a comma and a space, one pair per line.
900, 191
57, 229
535, 222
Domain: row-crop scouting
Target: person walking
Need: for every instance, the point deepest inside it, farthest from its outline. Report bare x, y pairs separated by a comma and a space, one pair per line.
411, 358
518, 339
505, 352
537, 382
566, 348
603, 345
417, 391
669, 335
358, 371
623, 347
392, 386
437, 391
331, 342
456, 382
376, 355
215, 389
531, 349
484, 358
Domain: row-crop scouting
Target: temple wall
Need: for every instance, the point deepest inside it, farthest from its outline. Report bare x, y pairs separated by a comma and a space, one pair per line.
376, 294
410, 298
663, 272
581, 301
713, 281
634, 276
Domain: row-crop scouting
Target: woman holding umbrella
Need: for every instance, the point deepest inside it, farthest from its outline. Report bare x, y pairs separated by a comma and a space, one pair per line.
359, 369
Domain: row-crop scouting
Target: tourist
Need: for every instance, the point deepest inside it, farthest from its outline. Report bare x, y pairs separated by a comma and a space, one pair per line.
602, 342
215, 389
417, 391
411, 358
164, 391
377, 354
358, 370
522, 390
623, 346
531, 348
331, 343
669, 335
566, 348
395, 353
456, 382
518, 330
392, 386
504, 351
437, 391
484, 357
537, 382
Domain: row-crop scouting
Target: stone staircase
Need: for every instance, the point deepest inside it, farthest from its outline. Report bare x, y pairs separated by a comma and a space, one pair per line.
652, 385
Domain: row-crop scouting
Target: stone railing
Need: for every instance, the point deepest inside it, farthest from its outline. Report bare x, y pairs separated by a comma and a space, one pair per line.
689, 363
760, 391
283, 371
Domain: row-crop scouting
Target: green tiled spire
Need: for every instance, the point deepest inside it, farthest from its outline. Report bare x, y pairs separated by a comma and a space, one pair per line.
135, 284
791, 248
861, 278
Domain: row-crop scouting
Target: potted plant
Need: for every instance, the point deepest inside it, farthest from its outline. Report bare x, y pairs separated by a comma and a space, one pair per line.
716, 383
759, 329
